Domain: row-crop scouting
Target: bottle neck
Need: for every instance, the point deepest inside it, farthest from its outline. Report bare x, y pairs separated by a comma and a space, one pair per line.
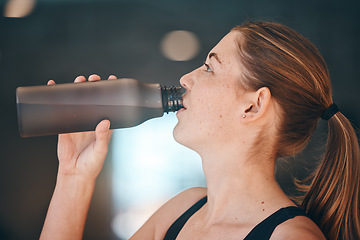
172, 98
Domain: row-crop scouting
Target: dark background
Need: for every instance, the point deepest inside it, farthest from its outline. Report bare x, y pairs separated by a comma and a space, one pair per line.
63, 39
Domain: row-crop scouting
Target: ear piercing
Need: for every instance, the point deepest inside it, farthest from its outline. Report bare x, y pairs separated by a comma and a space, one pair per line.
244, 116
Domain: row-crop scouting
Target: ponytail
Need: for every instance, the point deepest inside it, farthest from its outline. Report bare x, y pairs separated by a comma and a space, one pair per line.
333, 197
277, 57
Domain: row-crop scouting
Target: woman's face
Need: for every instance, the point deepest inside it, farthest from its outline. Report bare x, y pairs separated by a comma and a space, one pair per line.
211, 113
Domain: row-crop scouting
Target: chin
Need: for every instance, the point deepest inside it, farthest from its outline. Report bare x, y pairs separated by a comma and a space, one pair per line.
177, 133
184, 137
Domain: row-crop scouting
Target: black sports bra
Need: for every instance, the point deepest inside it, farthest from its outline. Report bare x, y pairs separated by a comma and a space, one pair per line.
261, 231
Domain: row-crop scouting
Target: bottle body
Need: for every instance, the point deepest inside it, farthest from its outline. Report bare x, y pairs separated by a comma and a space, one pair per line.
64, 108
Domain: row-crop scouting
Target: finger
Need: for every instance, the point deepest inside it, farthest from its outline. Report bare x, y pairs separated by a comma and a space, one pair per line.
79, 79
109, 135
51, 82
102, 137
94, 77
112, 77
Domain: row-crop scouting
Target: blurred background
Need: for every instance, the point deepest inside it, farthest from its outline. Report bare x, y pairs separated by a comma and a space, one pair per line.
153, 41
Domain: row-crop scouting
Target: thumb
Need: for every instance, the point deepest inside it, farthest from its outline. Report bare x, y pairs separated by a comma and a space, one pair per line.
102, 137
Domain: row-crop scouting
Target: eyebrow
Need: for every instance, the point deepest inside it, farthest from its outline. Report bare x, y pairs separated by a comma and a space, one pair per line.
215, 56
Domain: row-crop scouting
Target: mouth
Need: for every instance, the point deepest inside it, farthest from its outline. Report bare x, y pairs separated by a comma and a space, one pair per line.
183, 105
181, 110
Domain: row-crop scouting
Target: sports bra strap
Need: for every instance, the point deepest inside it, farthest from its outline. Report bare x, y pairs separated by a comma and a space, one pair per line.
176, 227
264, 229
261, 231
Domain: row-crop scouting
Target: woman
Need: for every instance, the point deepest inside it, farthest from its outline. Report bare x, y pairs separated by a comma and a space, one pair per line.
258, 97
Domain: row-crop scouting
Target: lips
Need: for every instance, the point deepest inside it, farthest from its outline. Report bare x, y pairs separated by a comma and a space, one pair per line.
183, 108
184, 104
180, 110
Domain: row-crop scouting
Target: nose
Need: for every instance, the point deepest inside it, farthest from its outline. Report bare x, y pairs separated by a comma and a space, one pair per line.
186, 81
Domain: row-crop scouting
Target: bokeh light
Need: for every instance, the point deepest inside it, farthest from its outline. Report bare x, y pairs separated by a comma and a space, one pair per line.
180, 45
18, 8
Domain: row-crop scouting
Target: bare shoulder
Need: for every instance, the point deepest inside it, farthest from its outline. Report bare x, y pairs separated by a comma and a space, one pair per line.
180, 203
298, 228
161, 220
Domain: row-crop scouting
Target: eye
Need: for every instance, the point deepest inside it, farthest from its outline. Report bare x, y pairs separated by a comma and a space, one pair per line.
207, 68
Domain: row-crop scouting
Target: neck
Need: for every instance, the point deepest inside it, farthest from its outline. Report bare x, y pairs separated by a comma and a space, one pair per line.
241, 186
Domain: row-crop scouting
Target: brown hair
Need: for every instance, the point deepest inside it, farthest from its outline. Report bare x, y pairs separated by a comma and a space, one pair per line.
277, 57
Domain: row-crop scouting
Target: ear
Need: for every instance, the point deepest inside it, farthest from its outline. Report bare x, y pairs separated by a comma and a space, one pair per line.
257, 104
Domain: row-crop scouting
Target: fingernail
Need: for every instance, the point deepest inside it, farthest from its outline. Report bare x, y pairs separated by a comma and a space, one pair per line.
78, 79
107, 124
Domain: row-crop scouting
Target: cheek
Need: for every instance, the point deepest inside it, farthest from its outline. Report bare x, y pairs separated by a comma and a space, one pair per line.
197, 125
209, 117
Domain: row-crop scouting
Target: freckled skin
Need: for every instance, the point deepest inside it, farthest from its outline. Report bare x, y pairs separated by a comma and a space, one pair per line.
213, 125
211, 99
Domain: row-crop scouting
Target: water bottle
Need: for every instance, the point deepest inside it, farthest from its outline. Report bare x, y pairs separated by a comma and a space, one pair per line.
64, 108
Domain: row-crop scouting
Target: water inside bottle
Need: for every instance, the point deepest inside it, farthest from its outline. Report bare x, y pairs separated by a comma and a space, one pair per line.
49, 119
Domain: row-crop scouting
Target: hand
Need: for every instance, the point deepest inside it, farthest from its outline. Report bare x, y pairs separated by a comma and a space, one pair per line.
83, 154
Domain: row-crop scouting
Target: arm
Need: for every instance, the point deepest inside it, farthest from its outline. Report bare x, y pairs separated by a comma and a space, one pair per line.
68, 209
81, 157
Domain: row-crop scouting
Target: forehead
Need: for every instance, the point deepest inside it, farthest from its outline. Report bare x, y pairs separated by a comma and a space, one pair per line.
227, 48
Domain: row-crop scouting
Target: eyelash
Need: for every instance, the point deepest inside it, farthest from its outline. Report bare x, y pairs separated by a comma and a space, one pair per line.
208, 69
